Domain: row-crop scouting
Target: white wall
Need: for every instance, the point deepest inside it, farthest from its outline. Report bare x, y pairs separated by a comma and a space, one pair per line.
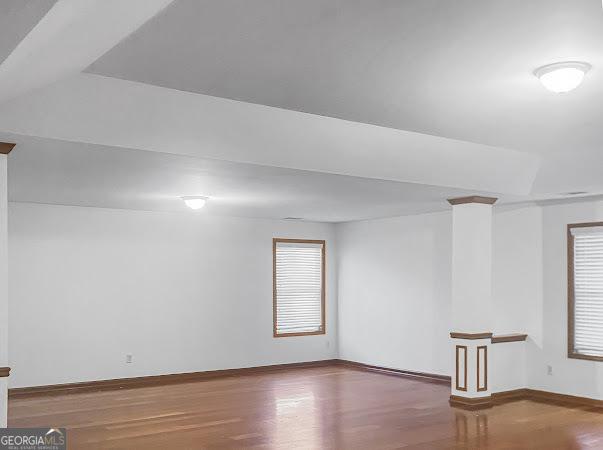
570, 376
87, 286
507, 366
394, 296
394, 292
180, 292
517, 270
516, 291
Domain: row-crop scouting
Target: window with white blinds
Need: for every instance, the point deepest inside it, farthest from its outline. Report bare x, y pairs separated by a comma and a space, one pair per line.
299, 287
586, 290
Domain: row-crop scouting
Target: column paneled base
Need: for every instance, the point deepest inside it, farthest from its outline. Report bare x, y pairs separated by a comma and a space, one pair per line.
470, 387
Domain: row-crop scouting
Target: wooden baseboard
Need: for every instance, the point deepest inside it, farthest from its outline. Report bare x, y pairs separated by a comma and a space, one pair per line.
509, 396
546, 397
499, 398
157, 380
429, 377
496, 398
563, 399
471, 403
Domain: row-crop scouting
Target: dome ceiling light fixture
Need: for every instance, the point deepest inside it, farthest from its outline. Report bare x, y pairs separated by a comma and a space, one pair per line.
562, 76
195, 202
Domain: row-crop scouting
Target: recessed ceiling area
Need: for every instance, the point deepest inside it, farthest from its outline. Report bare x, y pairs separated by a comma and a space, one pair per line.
78, 174
461, 69
17, 18
328, 110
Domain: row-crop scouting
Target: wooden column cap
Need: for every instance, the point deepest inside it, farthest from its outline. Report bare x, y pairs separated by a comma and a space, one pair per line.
6, 147
472, 199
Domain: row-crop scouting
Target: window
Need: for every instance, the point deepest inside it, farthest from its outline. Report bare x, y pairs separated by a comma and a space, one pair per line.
298, 287
585, 290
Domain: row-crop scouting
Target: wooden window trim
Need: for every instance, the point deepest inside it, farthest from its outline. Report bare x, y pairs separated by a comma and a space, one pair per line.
571, 353
323, 324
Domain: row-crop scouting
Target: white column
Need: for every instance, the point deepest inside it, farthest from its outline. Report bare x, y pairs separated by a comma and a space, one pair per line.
3, 291
471, 299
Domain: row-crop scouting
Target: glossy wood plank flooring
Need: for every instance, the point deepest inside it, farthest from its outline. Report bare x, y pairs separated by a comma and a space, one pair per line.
311, 408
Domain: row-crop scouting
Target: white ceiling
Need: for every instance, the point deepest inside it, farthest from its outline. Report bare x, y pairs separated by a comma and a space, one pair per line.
59, 172
460, 69
375, 108
17, 18
68, 38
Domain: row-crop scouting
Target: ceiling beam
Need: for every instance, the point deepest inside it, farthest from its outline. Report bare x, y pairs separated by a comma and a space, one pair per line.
70, 37
100, 110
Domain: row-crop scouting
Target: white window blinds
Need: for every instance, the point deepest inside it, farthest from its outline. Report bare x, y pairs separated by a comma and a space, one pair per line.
588, 290
298, 287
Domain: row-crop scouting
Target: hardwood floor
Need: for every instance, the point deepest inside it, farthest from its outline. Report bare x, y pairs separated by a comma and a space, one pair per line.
314, 408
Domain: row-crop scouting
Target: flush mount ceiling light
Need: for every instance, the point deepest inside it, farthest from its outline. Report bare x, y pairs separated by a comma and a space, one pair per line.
563, 76
195, 202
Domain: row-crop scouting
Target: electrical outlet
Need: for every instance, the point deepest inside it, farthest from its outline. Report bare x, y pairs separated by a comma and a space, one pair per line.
128, 359
328, 344
549, 370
